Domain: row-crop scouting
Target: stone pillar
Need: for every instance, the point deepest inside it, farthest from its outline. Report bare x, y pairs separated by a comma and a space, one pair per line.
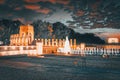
82, 47
15, 40
39, 48
21, 49
42, 41
45, 42
71, 42
75, 43
38, 39
49, 43
52, 42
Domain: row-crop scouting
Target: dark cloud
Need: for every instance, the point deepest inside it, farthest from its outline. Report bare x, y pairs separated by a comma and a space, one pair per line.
65, 2
9, 15
2, 1
34, 1
80, 13
20, 19
95, 13
86, 14
18, 8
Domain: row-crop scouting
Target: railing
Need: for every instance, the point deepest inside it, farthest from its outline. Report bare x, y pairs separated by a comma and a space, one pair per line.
96, 51
17, 50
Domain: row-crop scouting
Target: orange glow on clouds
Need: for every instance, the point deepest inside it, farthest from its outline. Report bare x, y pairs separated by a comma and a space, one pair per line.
37, 9
34, 1
2, 1
32, 7
114, 35
65, 2
45, 11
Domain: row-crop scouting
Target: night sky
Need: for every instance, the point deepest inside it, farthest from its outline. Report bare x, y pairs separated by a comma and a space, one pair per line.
101, 17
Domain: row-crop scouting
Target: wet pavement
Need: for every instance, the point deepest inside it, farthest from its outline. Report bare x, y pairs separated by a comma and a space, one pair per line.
60, 68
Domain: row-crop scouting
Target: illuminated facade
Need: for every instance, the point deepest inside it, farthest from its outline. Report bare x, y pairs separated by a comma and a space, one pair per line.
51, 45
66, 49
25, 36
21, 44
54, 46
113, 40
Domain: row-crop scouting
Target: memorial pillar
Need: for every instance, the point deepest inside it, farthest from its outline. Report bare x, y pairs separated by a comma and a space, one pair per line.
45, 42
39, 48
52, 42
71, 42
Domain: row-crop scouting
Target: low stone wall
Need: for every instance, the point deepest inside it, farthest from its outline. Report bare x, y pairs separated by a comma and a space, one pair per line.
17, 50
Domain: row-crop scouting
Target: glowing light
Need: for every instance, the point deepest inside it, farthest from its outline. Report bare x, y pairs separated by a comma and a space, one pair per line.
113, 40
21, 49
40, 56
39, 48
82, 46
27, 47
67, 48
13, 47
32, 47
5, 48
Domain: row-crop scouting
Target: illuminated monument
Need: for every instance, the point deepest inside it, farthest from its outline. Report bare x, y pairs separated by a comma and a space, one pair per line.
25, 36
22, 44
67, 48
113, 40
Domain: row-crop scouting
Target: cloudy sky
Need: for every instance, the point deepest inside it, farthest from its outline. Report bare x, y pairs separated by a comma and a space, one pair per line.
101, 17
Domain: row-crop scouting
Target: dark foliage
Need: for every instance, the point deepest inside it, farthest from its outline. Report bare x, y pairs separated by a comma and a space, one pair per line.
8, 27
46, 30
